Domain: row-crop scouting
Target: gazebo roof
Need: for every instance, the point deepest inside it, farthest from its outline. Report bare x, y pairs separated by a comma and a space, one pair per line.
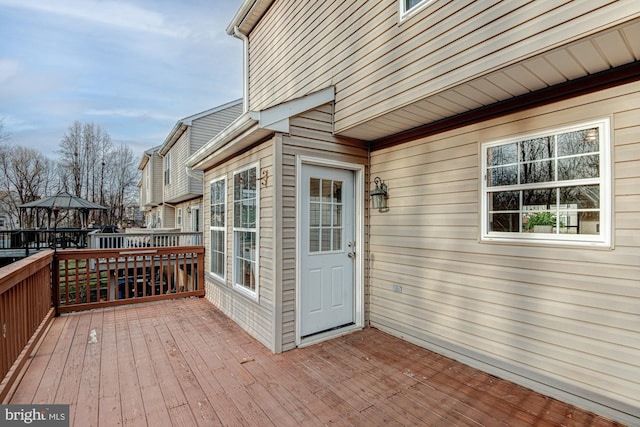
63, 200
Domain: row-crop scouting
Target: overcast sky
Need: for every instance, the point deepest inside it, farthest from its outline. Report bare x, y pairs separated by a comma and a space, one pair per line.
134, 67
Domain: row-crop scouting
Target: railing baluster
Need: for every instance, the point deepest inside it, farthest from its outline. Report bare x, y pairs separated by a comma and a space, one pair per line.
140, 274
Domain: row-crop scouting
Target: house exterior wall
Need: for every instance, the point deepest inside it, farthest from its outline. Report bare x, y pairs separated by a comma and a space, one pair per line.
196, 131
151, 182
379, 62
189, 208
168, 215
179, 180
271, 319
561, 319
255, 316
310, 135
206, 127
155, 165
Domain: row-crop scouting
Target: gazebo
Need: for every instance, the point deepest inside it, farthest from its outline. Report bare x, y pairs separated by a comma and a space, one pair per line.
62, 201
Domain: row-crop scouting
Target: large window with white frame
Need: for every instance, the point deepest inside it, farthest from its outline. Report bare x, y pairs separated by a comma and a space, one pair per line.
245, 229
552, 186
218, 230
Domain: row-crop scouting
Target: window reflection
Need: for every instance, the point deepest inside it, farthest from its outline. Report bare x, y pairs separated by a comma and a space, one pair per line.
535, 193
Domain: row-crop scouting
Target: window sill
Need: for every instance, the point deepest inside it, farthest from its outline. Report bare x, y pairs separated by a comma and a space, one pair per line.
549, 242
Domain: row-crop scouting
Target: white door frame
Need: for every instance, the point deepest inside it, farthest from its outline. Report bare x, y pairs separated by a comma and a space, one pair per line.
358, 172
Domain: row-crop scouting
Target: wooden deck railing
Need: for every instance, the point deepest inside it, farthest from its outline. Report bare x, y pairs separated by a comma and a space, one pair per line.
25, 313
31, 240
93, 278
143, 240
36, 288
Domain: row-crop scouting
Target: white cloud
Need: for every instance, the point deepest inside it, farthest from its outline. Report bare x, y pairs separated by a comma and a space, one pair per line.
129, 113
135, 67
9, 68
109, 13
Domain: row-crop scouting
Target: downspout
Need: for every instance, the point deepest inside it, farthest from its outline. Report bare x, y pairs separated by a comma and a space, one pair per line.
197, 175
245, 68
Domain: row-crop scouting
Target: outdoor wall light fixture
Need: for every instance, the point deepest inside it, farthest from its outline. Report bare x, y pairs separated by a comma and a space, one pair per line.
379, 195
188, 210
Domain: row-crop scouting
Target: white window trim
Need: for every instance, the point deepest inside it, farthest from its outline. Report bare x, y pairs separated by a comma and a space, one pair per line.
404, 14
241, 289
180, 216
223, 228
148, 185
167, 169
604, 239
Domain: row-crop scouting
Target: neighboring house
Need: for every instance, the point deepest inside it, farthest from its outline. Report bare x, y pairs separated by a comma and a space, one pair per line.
508, 136
182, 188
151, 187
5, 209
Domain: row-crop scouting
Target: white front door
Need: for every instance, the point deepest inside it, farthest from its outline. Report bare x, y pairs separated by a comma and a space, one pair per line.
327, 251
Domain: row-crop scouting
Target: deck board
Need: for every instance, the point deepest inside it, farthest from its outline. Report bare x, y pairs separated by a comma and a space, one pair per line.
183, 362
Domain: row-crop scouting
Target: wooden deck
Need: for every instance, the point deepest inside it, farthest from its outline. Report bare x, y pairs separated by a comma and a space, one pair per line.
183, 362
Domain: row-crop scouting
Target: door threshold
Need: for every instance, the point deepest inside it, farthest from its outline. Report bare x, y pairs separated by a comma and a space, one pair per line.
328, 335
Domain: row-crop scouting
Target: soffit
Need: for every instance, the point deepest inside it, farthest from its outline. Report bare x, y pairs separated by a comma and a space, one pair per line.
248, 15
586, 57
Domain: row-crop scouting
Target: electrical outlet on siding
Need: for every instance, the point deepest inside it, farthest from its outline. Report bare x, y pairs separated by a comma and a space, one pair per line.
397, 288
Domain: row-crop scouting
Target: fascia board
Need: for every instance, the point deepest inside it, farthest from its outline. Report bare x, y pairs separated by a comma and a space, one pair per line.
175, 134
248, 15
181, 125
277, 117
237, 127
240, 142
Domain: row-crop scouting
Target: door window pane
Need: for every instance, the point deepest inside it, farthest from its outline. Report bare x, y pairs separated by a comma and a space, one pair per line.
325, 215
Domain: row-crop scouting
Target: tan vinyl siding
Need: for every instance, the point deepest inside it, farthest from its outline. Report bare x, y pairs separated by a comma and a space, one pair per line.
201, 131
179, 181
562, 319
155, 167
310, 135
379, 64
255, 317
168, 215
206, 127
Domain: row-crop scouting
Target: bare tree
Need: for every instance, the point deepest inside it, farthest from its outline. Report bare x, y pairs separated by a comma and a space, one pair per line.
92, 168
120, 180
26, 176
4, 135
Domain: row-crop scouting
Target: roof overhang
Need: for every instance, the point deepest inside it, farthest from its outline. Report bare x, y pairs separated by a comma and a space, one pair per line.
549, 73
175, 134
183, 124
248, 15
277, 117
255, 126
146, 156
240, 134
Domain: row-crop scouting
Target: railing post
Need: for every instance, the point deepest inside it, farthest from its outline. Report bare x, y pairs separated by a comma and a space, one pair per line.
25, 241
55, 283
